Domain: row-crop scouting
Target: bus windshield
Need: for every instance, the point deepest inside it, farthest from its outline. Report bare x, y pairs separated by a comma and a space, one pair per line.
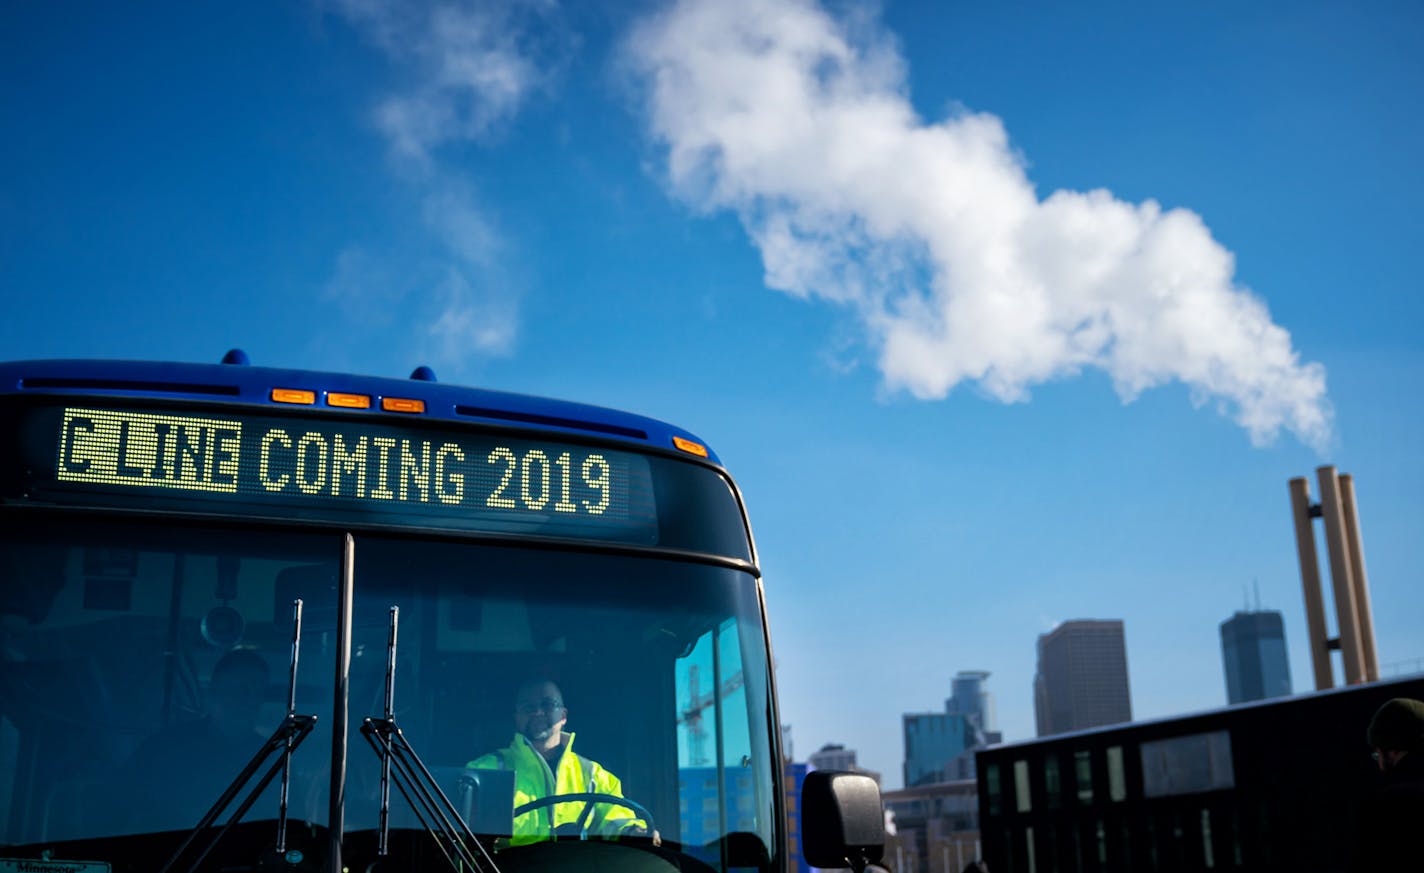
145, 664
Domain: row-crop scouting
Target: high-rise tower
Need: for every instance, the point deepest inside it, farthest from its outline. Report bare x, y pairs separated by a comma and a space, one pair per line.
1082, 677
939, 745
1253, 651
969, 697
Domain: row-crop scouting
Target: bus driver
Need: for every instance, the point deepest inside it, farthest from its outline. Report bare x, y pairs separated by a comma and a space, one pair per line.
545, 765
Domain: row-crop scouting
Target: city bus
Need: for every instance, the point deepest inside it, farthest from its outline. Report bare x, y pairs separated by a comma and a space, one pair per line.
1262, 786
266, 619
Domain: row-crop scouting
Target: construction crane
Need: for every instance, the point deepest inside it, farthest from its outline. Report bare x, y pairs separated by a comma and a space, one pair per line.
696, 703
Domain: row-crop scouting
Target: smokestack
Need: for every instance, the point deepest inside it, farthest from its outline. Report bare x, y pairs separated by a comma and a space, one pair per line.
1363, 614
1353, 615
1302, 510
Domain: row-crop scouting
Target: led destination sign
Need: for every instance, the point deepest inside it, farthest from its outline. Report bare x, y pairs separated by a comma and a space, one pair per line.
387, 473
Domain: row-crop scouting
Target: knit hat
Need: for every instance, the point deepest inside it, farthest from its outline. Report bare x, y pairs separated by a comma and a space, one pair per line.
1398, 726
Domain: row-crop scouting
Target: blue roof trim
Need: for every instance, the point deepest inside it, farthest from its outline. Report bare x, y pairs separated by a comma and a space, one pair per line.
253, 385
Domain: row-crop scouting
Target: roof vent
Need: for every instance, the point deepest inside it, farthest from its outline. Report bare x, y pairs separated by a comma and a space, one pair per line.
236, 356
423, 374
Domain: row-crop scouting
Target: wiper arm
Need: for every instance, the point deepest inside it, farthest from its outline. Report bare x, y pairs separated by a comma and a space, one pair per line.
290, 741
412, 778
286, 738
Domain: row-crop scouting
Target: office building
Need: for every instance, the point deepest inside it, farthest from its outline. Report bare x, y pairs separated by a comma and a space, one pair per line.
1253, 652
832, 756
705, 811
794, 776
969, 697
939, 745
936, 827
1082, 677
932, 740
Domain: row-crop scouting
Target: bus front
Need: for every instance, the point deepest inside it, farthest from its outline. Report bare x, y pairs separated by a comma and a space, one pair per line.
341, 631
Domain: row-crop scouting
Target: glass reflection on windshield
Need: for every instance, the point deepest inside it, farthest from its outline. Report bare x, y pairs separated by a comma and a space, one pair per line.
632, 680
144, 666
142, 671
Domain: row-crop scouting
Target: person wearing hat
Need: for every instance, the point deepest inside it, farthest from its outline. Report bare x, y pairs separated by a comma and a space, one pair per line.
1387, 831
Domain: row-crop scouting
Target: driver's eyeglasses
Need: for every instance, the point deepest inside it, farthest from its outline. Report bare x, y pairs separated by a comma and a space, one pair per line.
550, 705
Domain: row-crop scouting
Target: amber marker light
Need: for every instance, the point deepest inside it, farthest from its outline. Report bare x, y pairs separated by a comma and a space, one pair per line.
348, 401
293, 395
401, 404
690, 447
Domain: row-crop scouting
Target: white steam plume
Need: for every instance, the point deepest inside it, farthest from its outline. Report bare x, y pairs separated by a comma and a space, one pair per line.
469, 66
463, 69
933, 232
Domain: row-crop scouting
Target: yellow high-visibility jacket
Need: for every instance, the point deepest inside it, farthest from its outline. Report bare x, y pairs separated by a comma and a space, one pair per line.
573, 774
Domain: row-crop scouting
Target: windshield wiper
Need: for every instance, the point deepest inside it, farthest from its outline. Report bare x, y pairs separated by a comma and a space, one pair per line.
285, 739
419, 788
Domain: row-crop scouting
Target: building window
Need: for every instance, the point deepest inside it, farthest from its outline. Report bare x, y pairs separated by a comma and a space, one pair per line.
1206, 839
1083, 773
1068, 844
1052, 782
1187, 764
1023, 796
1021, 788
1117, 779
991, 779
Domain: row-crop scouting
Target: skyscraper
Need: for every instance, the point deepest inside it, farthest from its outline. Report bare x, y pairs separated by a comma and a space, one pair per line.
1082, 677
1253, 651
932, 740
938, 744
968, 696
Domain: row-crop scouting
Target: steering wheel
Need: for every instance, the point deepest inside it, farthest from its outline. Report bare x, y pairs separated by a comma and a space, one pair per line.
589, 798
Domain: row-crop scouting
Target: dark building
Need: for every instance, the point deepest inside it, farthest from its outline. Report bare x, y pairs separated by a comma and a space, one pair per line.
1271, 785
1253, 652
1082, 677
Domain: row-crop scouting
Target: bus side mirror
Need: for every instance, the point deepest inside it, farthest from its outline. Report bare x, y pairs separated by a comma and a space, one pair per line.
842, 823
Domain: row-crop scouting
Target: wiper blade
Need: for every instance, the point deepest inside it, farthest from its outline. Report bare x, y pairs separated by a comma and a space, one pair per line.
285, 739
420, 789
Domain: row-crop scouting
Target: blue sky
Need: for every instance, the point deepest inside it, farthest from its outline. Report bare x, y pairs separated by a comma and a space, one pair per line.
853, 247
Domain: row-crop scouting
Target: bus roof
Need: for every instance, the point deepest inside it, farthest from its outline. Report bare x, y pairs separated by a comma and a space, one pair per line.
241, 383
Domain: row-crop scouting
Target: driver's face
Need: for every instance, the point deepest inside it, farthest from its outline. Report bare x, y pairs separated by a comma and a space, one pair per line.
539, 711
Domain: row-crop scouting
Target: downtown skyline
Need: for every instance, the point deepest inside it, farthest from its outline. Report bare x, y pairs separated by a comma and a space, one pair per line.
999, 318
